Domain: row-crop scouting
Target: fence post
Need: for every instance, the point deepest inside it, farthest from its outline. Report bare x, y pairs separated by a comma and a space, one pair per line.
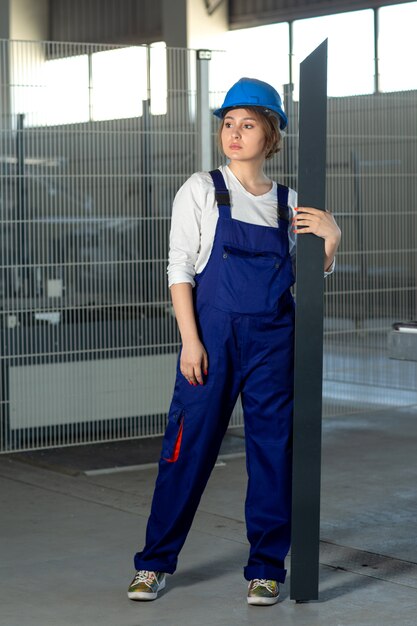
309, 332
290, 142
203, 111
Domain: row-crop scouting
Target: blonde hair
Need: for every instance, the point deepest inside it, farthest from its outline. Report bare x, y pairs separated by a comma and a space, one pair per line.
270, 126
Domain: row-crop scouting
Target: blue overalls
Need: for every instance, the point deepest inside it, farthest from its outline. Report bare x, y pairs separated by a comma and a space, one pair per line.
245, 317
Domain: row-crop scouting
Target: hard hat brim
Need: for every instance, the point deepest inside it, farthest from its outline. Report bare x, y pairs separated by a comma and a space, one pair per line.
283, 121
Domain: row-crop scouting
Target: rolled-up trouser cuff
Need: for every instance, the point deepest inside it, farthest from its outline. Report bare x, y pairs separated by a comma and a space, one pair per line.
153, 565
269, 572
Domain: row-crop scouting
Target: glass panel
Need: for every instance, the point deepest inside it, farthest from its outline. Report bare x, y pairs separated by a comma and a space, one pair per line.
351, 50
398, 47
119, 83
260, 52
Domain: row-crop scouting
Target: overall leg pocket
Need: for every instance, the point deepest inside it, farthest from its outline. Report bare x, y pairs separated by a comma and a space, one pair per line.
171, 445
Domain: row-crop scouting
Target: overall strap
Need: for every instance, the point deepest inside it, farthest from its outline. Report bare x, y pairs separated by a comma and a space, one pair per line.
283, 209
222, 193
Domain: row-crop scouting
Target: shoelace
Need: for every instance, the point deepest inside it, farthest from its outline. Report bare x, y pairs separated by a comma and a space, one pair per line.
143, 576
262, 582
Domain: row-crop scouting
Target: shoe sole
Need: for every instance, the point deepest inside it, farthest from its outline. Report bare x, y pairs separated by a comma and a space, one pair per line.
146, 595
262, 601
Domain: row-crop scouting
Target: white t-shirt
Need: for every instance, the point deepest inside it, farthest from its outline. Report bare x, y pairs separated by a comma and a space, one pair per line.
194, 220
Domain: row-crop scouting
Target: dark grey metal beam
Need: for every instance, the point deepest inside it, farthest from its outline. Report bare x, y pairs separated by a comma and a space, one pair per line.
309, 332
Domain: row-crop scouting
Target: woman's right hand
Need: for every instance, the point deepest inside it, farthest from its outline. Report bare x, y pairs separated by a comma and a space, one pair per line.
193, 361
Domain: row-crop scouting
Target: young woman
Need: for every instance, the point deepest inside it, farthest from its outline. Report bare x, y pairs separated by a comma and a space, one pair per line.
230, 271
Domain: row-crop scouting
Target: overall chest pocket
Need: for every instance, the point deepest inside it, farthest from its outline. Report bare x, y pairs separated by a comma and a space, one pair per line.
248, 281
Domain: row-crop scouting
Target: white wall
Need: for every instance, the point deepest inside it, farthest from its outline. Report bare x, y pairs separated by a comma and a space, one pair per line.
186, 23
29, 19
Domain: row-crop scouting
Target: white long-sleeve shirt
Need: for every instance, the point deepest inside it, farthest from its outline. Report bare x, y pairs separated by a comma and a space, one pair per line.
194, 220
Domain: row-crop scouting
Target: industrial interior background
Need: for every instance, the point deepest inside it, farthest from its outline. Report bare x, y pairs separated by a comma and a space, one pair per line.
88, 337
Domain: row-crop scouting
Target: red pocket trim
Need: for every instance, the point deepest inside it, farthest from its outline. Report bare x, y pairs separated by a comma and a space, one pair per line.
177, 446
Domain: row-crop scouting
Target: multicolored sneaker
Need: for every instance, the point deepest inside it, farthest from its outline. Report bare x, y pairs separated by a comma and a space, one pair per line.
145, 585
262, 591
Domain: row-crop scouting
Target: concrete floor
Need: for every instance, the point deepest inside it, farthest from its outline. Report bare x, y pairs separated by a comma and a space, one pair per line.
68, 537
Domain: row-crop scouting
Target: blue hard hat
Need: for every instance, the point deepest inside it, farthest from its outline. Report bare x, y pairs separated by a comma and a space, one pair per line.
255, 93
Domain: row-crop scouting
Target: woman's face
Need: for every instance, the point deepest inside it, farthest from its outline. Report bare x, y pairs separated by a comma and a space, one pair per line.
243, 137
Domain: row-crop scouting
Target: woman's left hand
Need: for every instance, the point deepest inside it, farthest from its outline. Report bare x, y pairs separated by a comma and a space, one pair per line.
320, 223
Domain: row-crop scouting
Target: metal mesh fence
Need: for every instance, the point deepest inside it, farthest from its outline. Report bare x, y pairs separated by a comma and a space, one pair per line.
94, 148
371, 189
89, 340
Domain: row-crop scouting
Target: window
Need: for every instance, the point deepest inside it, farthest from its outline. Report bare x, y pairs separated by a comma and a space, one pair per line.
119, 83
51, 92
260, 52
398, 47
158, 78
62, 91
350, 52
